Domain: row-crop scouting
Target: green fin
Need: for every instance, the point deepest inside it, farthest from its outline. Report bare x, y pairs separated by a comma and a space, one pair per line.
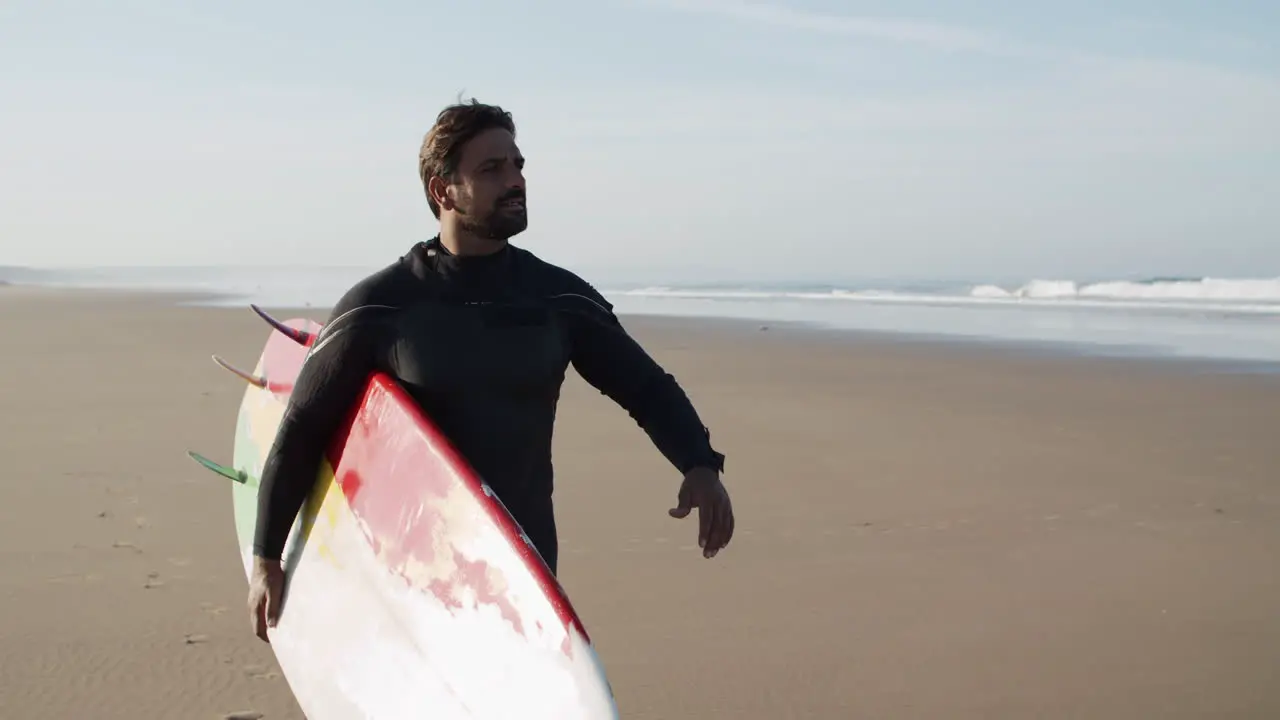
226, 472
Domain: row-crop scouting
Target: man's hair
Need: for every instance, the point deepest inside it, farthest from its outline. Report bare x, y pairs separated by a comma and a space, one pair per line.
454, 126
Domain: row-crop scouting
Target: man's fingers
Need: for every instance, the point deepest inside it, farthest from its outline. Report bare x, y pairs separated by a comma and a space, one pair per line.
721, 527
715, 517
257, 617
269, 609
273, 603
705, 516
726, 519
709, 545
264, 604
682, 508
716, 539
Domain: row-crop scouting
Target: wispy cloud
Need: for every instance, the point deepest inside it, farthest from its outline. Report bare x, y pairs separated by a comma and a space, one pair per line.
955, 38
936, 36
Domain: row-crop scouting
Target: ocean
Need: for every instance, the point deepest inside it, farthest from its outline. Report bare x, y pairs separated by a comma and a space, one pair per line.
1226, 319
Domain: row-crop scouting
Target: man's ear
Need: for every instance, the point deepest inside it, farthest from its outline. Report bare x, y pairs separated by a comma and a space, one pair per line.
439, 191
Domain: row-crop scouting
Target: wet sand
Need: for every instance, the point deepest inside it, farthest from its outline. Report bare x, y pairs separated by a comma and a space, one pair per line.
924, 530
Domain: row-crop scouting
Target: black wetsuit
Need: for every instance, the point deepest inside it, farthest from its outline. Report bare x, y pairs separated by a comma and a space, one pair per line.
482, 343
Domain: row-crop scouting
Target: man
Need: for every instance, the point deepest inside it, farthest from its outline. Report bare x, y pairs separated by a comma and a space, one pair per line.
480, 334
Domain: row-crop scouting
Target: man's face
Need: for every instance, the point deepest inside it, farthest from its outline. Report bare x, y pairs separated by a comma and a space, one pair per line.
488, 192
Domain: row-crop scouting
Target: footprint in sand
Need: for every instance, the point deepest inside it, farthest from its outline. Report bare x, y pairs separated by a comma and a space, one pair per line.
67, 579
214, 610
244, 715
259, 672
192, 639
179, 562
126, 545
141, 522
153, 580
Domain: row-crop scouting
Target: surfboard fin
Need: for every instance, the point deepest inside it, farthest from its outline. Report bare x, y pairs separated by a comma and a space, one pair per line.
302, 337
255, 380
236, 475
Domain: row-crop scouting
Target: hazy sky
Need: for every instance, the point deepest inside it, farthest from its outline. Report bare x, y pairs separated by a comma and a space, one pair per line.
807, 140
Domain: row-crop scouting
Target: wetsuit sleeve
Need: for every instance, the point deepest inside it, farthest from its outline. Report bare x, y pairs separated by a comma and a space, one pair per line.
608, 358
348, 349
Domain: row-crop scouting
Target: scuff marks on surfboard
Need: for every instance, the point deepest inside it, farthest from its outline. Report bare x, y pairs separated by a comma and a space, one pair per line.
407, 528
480, 581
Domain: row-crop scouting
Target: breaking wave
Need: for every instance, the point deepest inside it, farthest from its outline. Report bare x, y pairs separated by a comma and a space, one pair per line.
1254, 296
1221, 290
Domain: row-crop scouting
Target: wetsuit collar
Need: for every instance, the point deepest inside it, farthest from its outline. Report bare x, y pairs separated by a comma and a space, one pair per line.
432, 257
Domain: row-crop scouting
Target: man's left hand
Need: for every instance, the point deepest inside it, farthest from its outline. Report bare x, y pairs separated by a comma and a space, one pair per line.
702, 489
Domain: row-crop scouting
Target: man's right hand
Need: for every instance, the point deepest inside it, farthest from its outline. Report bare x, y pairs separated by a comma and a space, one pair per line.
266, 585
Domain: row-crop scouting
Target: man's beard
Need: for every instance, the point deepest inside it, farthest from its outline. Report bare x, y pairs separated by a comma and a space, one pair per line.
499, 223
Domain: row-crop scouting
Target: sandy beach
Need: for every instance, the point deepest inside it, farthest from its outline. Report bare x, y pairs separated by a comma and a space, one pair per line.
924, 530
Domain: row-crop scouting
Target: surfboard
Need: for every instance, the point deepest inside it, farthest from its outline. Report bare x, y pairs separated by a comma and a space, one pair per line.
411, 591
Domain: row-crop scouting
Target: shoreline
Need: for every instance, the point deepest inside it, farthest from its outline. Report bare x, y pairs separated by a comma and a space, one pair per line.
1050, 350
798, 330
